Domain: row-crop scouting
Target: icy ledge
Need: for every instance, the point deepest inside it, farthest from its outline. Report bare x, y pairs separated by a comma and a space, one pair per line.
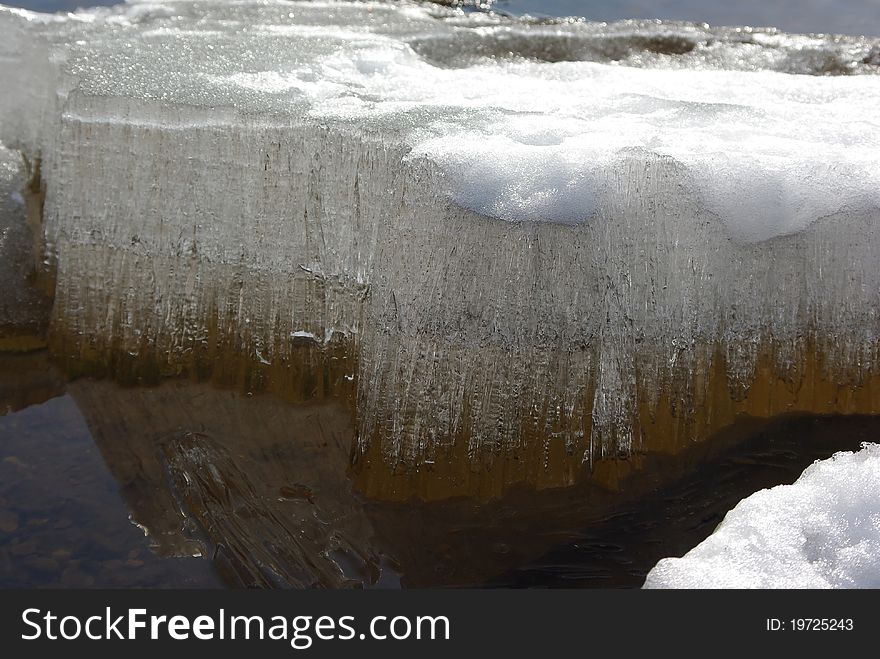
823, 531
520, 248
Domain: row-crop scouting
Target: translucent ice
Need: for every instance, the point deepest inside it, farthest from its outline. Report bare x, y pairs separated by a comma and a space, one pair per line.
23, 309
821, 532
527, 244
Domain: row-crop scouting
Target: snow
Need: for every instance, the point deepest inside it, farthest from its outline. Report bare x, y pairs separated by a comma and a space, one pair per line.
823, 531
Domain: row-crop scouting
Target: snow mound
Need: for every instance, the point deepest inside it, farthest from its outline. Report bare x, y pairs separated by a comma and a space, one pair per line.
823, 531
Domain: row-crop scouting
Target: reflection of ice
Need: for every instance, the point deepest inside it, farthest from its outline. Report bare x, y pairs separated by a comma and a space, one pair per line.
70, 526
261, 488
215, 492
143, 528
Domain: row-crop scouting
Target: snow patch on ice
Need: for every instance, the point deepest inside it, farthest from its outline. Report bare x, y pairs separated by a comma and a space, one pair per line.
768, 153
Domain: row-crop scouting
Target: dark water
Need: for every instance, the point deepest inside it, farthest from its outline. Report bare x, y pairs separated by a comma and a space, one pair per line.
856, 17
620, 549
259, 489
63, 522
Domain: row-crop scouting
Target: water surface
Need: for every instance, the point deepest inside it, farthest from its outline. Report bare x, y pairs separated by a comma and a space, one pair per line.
855, 17
242, 490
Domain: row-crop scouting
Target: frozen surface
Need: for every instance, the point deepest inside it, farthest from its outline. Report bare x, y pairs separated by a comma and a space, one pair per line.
823, 531
528, 236
527, 121
23, 310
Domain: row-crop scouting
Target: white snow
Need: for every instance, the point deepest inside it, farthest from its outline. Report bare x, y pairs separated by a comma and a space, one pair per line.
823, 531
767, 152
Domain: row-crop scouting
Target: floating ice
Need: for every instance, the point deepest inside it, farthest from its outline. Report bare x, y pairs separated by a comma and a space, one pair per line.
823, 531
529, 238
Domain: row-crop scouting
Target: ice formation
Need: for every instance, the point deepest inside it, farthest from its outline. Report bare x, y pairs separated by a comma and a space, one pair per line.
23, 308
821, 532
526, 243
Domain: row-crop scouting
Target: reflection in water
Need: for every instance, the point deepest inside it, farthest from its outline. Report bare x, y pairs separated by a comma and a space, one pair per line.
622, 547
260, 487
62, 521
256, 484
